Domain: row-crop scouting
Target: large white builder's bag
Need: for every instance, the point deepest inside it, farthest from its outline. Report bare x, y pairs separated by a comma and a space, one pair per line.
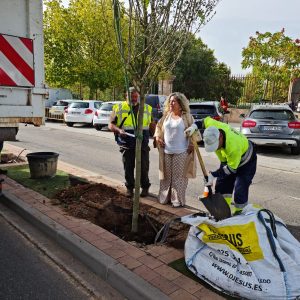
252, 255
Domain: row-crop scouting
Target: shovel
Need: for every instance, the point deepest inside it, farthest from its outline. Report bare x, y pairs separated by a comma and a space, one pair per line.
214, 203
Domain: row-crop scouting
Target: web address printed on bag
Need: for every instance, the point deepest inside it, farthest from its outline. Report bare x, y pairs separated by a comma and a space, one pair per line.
237, 280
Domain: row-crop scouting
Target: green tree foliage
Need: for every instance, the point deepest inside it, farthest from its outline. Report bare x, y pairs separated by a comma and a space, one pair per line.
195, 69
59, 46
224, 83
200, 75
80, 45
274, 58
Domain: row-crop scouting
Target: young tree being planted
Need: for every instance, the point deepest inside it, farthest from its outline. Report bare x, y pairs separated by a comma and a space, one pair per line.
151, 38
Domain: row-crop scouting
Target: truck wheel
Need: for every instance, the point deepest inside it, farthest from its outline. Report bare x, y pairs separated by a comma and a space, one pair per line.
98, 127
295, 150
69, 124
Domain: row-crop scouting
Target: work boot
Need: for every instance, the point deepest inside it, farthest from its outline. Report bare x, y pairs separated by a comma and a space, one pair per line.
129, 193
145, 192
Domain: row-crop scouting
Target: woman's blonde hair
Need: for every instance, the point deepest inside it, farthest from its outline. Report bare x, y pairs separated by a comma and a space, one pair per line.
182, 100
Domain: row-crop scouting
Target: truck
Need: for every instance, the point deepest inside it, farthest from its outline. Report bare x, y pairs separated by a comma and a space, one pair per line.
55, 94
22, 78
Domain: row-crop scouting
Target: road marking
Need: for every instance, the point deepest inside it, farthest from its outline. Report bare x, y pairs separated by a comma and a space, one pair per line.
296, 198
292, 171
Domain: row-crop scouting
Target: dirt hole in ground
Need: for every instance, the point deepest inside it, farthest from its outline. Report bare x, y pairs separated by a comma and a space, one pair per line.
108, 208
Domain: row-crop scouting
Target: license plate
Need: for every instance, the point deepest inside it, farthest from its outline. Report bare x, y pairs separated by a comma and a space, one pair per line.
272, 128
76, 112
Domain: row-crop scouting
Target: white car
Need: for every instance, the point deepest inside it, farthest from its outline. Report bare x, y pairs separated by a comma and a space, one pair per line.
81, 112
102, 115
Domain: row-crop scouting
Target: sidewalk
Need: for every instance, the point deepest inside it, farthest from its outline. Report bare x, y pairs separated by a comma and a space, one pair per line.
136, 273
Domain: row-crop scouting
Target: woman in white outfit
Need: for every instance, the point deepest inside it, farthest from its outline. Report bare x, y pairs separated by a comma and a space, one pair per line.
176, 150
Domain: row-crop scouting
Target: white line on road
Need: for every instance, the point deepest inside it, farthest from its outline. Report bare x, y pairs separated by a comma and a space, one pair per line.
296, 198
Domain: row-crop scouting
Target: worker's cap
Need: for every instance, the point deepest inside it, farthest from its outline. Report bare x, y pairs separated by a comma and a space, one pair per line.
132, 89
211, 138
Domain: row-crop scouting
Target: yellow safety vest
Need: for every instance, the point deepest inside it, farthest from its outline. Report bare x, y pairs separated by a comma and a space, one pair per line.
122, 110
235, 151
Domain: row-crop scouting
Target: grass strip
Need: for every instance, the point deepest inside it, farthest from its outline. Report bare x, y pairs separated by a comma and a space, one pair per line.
45, 186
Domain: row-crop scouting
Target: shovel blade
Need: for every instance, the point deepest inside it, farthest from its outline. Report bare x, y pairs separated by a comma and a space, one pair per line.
217, 206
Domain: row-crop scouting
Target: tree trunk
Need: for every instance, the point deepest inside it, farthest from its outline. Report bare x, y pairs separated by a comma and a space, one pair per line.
91, 93
80, 90
266, 86
138, 148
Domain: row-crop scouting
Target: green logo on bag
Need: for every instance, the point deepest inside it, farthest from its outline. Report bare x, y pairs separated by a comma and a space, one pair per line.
241, 238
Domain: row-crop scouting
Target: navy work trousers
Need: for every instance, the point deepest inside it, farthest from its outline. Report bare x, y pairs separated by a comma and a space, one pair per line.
129, 166
239, 182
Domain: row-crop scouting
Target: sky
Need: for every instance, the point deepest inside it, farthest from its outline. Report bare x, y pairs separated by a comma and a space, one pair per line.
236, 20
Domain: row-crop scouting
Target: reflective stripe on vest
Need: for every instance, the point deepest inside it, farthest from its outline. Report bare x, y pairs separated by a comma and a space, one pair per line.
120, 113
247, 155
123, 110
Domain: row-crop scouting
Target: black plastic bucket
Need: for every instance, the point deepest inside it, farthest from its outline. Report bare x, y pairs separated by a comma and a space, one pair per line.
42, 164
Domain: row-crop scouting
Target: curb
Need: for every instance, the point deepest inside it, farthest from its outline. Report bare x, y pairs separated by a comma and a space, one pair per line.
110, 270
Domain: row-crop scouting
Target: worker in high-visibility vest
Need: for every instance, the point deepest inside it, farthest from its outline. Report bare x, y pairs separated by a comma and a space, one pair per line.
238, 160
122, 121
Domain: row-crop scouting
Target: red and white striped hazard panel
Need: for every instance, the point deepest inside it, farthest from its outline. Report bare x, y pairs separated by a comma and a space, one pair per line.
16, 61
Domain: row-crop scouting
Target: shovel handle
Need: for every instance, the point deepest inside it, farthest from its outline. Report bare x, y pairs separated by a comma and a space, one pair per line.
202, 165
209, 190
200, 159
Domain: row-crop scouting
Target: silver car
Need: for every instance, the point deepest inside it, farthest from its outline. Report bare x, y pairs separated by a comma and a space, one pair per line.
102, 115
272, 125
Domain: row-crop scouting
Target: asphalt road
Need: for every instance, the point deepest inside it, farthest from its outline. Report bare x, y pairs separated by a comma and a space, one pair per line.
33, 266
276, 185
26, 274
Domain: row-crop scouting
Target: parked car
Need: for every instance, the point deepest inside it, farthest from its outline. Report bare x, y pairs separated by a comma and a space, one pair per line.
201, 110
102, 114
162, 101
272, 125
156, 102
81, 112
57, 109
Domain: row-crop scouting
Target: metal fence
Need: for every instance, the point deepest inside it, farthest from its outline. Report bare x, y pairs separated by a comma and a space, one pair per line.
49, 116
254, 89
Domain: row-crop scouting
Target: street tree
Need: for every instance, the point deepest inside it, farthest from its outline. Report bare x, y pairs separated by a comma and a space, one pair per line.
198, 74
80, 45
195, 69
274, 57
151, 42
59, 46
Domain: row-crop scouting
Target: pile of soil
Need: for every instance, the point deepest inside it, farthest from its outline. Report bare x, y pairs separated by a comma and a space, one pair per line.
110, 209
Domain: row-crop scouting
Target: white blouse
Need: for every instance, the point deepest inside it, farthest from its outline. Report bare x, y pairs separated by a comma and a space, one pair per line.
175, 139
